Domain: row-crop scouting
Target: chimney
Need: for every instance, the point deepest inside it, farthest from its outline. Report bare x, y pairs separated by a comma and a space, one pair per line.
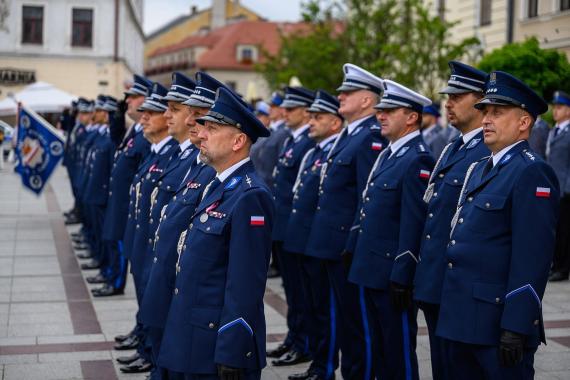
193, 9
218, 14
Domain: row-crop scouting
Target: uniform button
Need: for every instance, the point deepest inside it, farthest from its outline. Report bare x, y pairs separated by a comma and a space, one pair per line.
441, 175
430, 215
294, 211
470, 199
159, 183
138, 226
151, 220
342, 228
371, 183
167, 187
110, 192
535, 322
211, 325
191, 225
388, 255
175, 290
174, 198
248, 355
455, 181
385, 184
452, 242
435, 195
157, 238
330, 160
360, 231
428, 237
450, 265
460, 220
367, 199
318, 207
208, 229
497, 300
149, 241
487, 205
154, 260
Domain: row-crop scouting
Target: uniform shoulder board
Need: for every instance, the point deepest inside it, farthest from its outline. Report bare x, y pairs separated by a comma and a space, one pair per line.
186, 153
506, 158
473, 143
233, 183
165, 149
402, 151
421, 148
328, 146
529, 155
299, 138
375, 127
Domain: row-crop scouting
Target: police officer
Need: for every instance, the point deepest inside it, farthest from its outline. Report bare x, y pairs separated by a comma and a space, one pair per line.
387, 234
320, 315
295, 348
216, 325
464, 88
155, 129
559, 159
539, 137
174, 220
343, 179
501, 244
128, 156
433, 133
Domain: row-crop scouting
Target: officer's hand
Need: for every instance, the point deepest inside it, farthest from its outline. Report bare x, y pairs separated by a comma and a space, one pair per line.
346, 258
511, 348
122, 106
229, 373
401, 296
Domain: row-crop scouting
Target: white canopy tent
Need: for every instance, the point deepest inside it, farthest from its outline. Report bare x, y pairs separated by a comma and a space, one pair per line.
41, 97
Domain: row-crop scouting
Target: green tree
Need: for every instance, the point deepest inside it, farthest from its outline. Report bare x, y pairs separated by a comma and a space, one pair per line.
395, 39
544, 70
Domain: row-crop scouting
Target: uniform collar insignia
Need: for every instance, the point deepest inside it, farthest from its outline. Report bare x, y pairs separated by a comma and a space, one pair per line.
375, 127
299, 138
186, 153
165, 149
421, 147
529, 155
233, 183
248, 180
357, 130
328, 147
472, 143
402, 151
506, 159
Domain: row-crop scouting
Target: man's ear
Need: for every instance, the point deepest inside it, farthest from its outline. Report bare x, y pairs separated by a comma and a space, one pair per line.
240, 141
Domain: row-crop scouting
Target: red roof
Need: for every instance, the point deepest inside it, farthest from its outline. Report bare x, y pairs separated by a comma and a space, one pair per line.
222, 43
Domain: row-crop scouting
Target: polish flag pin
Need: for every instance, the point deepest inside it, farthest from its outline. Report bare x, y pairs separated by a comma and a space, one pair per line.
376, 146
425, 174
543, 192
257, 221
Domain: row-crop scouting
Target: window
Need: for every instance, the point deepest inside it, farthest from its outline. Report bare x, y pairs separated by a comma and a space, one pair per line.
532, 10
441, 9
247, 55
32, 25
485, 13
82, 27
564, 5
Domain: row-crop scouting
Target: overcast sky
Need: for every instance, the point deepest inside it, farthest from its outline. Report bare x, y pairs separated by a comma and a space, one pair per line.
159, 12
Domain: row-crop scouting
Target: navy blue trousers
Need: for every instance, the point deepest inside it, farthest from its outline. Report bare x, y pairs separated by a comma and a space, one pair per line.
290, 268
321, 317
353, 325
473, 362
394, 338
116, 272
431, 313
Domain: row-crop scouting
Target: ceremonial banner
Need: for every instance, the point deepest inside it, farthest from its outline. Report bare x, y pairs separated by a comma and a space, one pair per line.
39, 148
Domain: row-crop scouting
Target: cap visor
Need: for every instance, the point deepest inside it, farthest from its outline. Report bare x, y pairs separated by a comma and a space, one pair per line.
197, 103
289, 104
173, 98
454, 90
150, 107
387, 106
347, 88
205, 118
492, 101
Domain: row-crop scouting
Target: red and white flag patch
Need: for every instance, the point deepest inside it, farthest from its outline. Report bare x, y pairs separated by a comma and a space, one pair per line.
376, 146
425, 174
543, 192
257, 221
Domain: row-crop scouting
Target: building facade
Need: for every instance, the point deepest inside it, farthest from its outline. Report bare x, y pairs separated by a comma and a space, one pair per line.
499, 22
84, 47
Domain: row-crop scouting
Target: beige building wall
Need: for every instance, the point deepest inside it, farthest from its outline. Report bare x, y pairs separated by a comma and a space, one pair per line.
192, 25
78, 76
242, 80
551, 27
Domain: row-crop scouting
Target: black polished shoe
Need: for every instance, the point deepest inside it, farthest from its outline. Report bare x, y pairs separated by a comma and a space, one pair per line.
81, 247
78, 240
77, 234
128, 344
291, 358
138, 366
128, 359
122, 338
558, 276
278, 352
91, 265
314, 376
300, 376
72, 219
106, 291
84, 255
97, 279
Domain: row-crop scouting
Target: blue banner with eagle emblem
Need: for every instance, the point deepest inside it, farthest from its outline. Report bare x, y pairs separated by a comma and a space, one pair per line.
39, 148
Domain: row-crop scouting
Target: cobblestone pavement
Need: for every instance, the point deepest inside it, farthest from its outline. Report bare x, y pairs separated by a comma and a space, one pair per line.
51, 327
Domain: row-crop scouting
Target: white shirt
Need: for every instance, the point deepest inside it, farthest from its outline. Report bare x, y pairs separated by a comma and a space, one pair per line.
324, 143
138, 127
102, 128
184, 145
276, 124
297, 132
497, 157
228, 172
158, 146
563, 125
396, 145
352, 126
469, 135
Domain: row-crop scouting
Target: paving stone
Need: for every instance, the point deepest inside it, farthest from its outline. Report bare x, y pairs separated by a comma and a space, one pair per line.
43, 371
